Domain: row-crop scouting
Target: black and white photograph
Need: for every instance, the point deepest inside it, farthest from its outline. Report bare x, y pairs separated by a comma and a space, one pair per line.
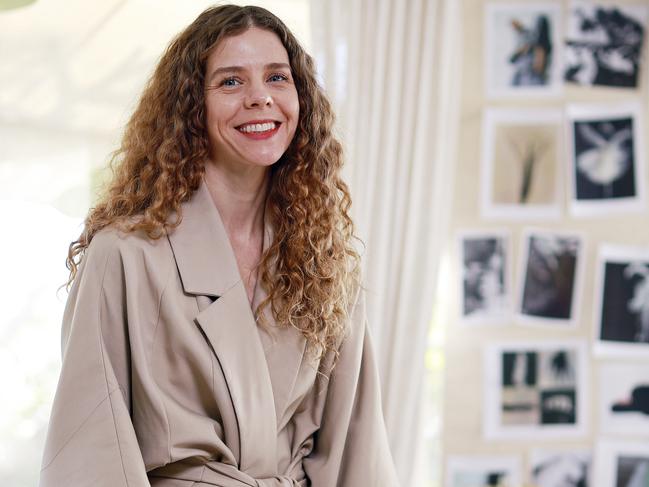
550, 278
632, 471
521, 176
539, 390
485, 286
606, 151
622, 300
560, 468
483, 471
622, 463
624, 399
523, 49
604, 44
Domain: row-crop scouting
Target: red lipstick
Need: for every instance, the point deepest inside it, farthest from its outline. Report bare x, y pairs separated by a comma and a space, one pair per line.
259, 129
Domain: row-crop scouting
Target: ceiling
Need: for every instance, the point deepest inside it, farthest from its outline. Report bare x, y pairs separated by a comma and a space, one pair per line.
79, 66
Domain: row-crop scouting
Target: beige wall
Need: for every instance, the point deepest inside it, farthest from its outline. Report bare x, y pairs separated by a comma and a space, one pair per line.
464, 395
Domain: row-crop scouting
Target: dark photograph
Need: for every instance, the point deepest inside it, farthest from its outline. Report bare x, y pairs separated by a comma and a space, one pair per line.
625, 302
604, 45
484, 286
637, 401
632, 471
550, 276
604, 159
539, 388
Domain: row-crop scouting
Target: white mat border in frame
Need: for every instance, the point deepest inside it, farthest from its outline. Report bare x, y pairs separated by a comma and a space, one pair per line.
492, 385
492, 117
606, 454
555, 88
615, 380
536, 456
509, 463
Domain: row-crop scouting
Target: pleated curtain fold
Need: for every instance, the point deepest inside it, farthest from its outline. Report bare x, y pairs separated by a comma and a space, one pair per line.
391, 68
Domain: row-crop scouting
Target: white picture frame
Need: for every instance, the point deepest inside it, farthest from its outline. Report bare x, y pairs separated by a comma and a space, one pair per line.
535, 390
555, 467
606, 154
623, 398
617, 461
515, 35
515, 144
470, 470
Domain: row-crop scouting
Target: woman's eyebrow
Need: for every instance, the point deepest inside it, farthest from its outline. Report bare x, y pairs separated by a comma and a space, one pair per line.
277, 66
238, 69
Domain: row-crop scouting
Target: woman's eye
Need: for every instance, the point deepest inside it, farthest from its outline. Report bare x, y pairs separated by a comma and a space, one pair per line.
230, 82
278, 77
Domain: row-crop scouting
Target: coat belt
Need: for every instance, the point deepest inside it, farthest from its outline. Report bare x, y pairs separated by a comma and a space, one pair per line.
224, 475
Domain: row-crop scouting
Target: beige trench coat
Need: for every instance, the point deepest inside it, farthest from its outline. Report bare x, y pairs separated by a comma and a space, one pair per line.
168, 381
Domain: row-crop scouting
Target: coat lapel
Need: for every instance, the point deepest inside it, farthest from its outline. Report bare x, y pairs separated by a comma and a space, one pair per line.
230, 328
208, 267
201, 247
284, 348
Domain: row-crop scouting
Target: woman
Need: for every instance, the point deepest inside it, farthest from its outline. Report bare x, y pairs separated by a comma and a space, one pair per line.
215, 330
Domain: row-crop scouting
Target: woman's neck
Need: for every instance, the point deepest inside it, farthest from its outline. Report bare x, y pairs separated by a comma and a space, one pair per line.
240, 198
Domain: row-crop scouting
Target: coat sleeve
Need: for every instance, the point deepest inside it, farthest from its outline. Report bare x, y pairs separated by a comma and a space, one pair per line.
351, 447
91, 440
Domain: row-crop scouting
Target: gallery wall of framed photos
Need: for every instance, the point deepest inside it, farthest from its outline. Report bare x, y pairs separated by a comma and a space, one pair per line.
547, 380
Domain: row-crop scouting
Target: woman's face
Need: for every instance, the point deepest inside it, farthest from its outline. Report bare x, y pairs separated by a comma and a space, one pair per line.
251, 102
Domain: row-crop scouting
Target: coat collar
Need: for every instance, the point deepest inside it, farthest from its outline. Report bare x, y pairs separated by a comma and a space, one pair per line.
202, 249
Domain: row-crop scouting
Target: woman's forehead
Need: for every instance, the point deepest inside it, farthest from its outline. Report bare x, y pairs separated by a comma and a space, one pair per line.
250, 48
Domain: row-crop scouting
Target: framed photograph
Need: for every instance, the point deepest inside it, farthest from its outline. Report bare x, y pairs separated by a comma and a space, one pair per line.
622, 301
520, 164
535, 389
485, 282
550, 278
606, 170
560, 468
622, 464
624, 399
604, 44
523, 49
483, 471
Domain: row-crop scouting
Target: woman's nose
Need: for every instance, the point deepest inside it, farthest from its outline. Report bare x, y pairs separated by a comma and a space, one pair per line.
258, 99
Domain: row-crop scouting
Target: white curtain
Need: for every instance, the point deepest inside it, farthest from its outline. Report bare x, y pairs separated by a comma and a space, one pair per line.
391, 68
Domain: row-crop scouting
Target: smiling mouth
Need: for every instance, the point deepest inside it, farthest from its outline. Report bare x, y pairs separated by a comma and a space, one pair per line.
258, 128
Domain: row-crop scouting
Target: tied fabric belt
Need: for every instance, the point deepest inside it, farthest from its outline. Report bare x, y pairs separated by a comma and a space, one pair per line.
223, 475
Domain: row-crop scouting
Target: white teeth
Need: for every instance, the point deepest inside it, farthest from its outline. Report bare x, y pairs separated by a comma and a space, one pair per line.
258, 127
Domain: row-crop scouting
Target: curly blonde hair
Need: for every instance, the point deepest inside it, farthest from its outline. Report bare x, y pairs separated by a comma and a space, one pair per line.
311, 269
